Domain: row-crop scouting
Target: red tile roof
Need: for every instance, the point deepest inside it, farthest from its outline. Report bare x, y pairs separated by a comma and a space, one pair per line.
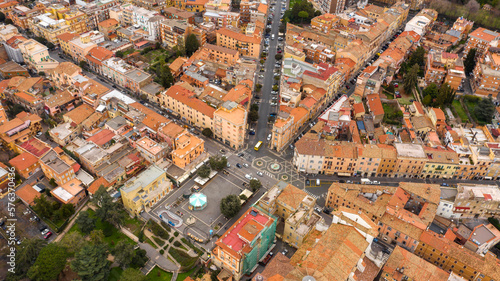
188, 98
23, 161
101, 138
28, 194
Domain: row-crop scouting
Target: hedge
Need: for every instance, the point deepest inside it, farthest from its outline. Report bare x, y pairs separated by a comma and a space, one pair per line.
159, 241
185, 241
158, 230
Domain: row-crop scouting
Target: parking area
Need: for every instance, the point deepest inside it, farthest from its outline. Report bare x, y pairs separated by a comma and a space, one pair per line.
28, 225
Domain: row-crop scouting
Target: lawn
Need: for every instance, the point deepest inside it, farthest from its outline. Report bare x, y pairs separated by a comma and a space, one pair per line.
115, 274
133, 224
183, 258
112, 239
151, 243
185, 275
392, 114
157, 274
156, 56
128, 52
460, 111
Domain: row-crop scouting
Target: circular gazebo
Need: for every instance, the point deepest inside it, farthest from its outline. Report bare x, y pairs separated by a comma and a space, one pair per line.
197, 201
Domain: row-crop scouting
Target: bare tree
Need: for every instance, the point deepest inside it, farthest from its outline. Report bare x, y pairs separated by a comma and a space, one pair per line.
472, 6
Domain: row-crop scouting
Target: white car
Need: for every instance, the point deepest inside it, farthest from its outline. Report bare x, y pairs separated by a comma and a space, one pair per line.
38, 134
274, 103
260, 174
248, 176
269, 137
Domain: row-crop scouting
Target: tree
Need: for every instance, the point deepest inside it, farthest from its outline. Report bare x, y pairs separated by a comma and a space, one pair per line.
278, 56
119, 54
124, 253
391, 88
484, 110
96, 236
303, 15
218, 163
230, 206
2, 17
411, 78
52, 182
253, 116
472, 6
140, 258
204, 171
49, 263
91, 263
85, 222
131, 274
26, 256
235, 4
108, 210
192, 44
207, 132
427, 100
268, 30
417, 57
446, 95
258, 88
43, 207
73, 241
275, 87
431, 90
83, 64
470, 61
255, 184
66, 211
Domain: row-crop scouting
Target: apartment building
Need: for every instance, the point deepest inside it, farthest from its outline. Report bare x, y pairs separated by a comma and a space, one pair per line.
26, 164
411, 159
125, 75
443, 67
195, 6
245, 242
477, 200
59, 166
72, 192
178, 14
184, 102
65, 74
98, 11
174, 32
19, 129
246, 45
80, 46
143, 191
64, 39
441, 163
221, 55
188, 148
405, 265
463, 26
36, 56
230, 124
95, 58
452, 257
480, 39
47, 27
486, 78
222, 18
151, 150
286, 126
108, 28
21, 15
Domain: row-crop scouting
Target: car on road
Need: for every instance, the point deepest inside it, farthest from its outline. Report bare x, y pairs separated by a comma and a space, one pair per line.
317, 209
241, 154
284, 252
222, 151
266, 259
349, 181
398, 95
274, 103
238, 165
38, 134
251, 133
245, 165
269, 137
444, 184
260, 174
47, 235
396, 85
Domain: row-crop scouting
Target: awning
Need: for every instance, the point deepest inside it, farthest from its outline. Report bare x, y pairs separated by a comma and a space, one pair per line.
343, 174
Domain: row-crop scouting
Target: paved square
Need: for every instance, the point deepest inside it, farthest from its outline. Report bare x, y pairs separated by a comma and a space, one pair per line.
218, 188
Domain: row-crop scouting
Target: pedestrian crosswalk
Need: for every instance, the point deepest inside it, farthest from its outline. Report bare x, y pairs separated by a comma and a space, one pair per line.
310, 194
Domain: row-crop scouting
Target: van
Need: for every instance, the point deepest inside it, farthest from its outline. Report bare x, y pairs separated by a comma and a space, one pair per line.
365, 181
272, 37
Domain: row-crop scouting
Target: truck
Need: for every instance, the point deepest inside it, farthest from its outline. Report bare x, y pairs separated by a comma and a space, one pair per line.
366, 181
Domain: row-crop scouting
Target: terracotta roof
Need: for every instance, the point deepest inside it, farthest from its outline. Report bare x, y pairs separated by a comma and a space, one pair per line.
375, 104
67, 68
67, 36
96, 184
99, 54
220, 49
108, 23
79, 114
359, 108
23, 161
177, 64
262, 8
239, 36
292, 196
102, 137
59, 99
484, 34
188, 98
279, 265
415, 268
439, 114
28, 194
298, 114
334, 253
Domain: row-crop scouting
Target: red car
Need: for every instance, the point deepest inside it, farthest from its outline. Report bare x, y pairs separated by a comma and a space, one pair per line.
47, 235
396, 85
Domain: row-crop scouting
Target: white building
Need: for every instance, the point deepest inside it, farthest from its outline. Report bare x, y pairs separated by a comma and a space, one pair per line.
419, 24
446, 204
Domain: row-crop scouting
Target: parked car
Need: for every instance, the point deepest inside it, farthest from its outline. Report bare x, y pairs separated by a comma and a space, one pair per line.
248, 176
238, 165
45, 231
38, 134
251, 133
260, 174
47, 235
269, 137
241, 154
444, 184
245, 165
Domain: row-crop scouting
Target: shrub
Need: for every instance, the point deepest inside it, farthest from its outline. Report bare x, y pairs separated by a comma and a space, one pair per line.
162, 251
165, 225
185, 260
185, 241
176, 234
158, 230
107, 229
171, 239
159, 241
177, 244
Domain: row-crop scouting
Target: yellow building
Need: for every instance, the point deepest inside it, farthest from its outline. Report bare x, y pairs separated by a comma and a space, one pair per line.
230, 122
36, 56
441, 163
195, 6
300, 223
64, 40
142, 192
286, 126
49, 28
75, 19
187, 149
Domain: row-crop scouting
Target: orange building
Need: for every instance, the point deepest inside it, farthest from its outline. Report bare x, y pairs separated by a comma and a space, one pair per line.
486, 79
230, 123
58, 166
246, 45
71, 192
286, 126
25, 164
187, 149
480, 40
325, 22
443, 67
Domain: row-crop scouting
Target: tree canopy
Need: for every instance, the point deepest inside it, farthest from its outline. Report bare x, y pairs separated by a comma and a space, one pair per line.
192, 44
484, 110
218, 163
410, 79
124, 253
204, 171
230, 206
91, 263
207, 132
73, 242
49, 263
108, 210
255, 184
470, 61
85, 222
301, 12
26, 256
